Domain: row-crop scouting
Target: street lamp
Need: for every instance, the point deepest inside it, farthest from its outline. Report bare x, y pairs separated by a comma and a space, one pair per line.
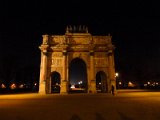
116, 76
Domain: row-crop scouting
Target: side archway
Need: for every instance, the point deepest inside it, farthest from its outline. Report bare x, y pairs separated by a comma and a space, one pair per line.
101, 82
55, 82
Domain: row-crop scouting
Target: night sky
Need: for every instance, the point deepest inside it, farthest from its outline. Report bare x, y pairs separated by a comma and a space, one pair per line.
135, 28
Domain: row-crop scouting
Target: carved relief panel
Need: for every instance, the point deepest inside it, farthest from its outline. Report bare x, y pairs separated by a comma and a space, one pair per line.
58, 39
57, 55
57, 69
57, 59
79, 40
83, 55
57, 62
101, 62
101, 59
100, 40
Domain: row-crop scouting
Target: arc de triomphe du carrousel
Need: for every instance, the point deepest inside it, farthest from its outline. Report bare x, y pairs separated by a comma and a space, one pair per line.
95, 54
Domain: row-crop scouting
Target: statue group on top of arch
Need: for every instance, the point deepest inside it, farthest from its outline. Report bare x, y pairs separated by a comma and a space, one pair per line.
59, 53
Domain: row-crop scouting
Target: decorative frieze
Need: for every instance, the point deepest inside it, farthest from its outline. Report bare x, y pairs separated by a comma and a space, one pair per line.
56, 62
57, 54
101, 62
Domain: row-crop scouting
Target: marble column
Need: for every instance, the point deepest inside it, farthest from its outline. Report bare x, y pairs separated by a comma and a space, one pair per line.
43, 73
111, 70
92, 86
64, 82
43, 67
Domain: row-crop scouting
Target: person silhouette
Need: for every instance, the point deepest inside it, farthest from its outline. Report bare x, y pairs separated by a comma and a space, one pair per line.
112, 90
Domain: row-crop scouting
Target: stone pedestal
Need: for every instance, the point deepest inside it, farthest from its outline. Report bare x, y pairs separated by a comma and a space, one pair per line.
92, 88
42, 88
64, 87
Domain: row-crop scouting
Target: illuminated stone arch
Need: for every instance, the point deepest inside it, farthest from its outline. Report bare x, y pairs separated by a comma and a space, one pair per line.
57, 51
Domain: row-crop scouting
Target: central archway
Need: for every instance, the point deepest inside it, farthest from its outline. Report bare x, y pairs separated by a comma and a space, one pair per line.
77, 76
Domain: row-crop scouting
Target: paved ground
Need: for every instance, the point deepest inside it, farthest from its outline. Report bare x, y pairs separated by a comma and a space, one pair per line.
125, 105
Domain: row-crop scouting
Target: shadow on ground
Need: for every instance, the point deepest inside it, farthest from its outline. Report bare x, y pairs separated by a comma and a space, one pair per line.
98, 117
75, 117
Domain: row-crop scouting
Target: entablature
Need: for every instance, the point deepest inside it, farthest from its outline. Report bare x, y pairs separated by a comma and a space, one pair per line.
76, 38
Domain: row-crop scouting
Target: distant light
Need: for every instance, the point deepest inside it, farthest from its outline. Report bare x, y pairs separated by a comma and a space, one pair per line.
130, 83
21, 86
148, 83
80, 82
116, 74
13, 86
72, 86
100, 83
120, 83
145, 85
35, 84
3, 86
153, 84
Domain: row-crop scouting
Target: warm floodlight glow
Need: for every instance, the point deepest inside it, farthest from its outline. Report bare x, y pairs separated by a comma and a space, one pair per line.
3, 86
80, 82
21, 86
13, 86
130, 83
116, 75
72, 86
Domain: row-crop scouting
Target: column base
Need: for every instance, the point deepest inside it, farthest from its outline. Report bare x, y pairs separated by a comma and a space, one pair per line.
42, 88
64, 93
92, 88
64, 87
113, 82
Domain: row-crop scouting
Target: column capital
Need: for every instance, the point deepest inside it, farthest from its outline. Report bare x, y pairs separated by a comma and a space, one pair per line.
44, 47
45, 53
91, 52
64, 52
110, 53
